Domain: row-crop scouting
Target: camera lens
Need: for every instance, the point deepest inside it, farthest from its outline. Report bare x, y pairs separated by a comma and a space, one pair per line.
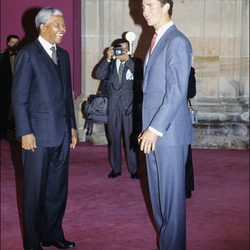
118, 50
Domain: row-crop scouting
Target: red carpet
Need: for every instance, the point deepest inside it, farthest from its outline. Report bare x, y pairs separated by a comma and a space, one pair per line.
105, 214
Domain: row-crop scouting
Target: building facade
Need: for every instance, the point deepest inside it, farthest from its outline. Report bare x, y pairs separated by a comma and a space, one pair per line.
219, 33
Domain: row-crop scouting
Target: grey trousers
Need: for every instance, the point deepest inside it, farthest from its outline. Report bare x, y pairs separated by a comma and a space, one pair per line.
120, 125
166, 176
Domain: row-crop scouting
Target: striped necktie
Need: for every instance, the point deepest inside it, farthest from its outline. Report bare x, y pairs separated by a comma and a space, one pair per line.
120, 70
54, 55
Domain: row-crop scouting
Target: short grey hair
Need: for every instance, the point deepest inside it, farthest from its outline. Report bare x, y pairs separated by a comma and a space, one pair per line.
44, 15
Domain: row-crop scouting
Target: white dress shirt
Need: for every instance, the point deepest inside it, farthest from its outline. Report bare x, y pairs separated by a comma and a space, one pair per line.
46, 45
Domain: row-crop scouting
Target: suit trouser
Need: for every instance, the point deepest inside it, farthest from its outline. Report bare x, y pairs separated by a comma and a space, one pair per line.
120, 123
189, 171
166, 176
45, 193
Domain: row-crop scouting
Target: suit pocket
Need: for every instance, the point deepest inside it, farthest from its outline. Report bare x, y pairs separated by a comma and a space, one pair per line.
129, 75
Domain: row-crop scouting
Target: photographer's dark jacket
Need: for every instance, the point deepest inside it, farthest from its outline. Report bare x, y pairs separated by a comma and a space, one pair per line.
126, 91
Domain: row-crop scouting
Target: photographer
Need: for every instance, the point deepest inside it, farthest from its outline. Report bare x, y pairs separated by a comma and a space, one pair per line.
122, 75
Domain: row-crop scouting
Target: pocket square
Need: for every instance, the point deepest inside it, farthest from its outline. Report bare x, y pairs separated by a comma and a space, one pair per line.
129, 75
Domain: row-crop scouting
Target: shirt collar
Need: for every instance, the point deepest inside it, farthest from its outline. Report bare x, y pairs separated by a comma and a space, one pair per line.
163, 29
46, 45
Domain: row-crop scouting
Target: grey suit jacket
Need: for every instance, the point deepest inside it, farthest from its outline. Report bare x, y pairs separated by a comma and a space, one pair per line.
124, 91
165, 86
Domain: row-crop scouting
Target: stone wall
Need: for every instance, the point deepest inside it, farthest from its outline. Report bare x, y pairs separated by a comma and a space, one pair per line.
219, 33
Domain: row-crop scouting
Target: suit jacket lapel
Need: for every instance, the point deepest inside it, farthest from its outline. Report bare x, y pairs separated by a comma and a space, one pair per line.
48, 63
158, 48
62, 67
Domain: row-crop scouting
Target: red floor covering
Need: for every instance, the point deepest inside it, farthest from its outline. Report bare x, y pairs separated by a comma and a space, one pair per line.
111, 214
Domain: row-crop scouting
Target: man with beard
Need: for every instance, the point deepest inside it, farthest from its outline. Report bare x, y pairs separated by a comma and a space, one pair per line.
7, 59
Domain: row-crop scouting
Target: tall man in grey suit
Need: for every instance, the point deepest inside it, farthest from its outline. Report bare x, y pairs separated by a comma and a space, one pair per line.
121, 73
45, 123
167, 127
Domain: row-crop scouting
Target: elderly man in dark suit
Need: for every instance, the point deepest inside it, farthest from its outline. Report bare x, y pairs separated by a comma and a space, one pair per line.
7, 59
167, 126
121, 72
45, 123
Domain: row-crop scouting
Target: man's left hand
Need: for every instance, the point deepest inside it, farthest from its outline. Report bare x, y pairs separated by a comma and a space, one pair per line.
147, 141
73, 138
123, 57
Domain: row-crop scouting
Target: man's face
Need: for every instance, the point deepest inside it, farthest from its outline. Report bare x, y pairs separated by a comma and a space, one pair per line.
13, 44
54, 30
124, 47
155, 13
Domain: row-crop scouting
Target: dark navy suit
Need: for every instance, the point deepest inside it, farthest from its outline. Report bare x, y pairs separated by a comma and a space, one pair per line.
43, 105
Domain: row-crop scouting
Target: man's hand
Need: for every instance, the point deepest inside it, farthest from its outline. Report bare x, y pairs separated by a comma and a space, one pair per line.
29, 142
123, 57
109, 53
73, 138
147, 141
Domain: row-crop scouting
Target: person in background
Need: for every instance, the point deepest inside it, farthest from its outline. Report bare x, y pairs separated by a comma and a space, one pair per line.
167, 128
45, 123
121, 73
7, 59
189, 174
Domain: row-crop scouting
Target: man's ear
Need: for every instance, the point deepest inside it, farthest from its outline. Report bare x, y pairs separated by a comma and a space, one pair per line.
166, 7
43, 27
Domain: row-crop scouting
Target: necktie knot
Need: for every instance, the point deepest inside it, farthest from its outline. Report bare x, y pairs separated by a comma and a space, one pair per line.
54, 55
153, 42
53, 49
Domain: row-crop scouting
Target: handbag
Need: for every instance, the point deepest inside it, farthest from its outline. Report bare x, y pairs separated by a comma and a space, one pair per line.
96, 108
193, 114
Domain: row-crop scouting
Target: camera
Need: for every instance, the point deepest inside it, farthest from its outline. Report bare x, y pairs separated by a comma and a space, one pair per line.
118, 50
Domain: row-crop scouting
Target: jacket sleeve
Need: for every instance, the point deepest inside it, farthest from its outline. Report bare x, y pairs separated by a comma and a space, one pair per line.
71, 103
20, 92
102, 70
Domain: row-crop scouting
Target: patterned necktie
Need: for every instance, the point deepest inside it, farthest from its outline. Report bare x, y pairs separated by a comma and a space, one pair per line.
54, 55
120, 70
153, 43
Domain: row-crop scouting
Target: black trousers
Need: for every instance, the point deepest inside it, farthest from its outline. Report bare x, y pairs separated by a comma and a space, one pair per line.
5, 101
189, 175
45, 193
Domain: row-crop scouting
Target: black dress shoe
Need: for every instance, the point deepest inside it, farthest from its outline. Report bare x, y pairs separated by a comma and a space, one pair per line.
112, 174
63, 244
135, 175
